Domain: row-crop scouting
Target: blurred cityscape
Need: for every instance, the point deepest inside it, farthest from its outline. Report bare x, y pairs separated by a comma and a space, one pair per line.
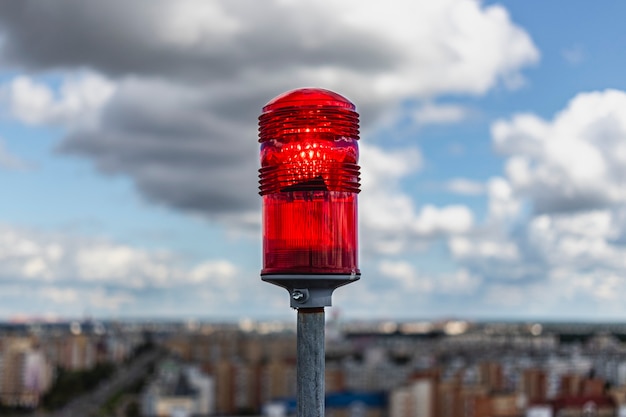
451, 368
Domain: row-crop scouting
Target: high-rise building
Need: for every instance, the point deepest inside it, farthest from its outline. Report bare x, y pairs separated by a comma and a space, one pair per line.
179, 391
278, 380
224, 387
335, 377
79, 353
12, 372
592, 387
571, 385
418, 398
490, 376
499, 405
238, 387
400, 402
25, 372
413, 400
205, 390
602, 406
533, 384
449, 398
470, 398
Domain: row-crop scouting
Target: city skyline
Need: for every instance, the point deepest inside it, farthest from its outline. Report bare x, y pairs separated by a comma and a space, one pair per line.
493, 147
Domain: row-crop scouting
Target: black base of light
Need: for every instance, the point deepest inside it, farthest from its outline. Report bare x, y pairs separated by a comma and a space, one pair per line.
310, 290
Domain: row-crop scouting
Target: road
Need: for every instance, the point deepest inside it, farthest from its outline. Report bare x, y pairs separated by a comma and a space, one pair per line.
89, 403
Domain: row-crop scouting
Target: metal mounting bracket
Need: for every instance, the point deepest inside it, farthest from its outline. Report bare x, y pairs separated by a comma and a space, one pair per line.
310, 290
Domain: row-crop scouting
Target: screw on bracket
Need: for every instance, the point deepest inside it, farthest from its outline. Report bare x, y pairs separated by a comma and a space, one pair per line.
300, 296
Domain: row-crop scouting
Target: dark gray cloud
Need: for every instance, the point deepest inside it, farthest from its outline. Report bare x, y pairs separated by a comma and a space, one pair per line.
177, 147
190, 141
190, 77
119, 37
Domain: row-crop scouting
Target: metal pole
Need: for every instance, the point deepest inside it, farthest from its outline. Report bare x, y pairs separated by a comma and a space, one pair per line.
310, 367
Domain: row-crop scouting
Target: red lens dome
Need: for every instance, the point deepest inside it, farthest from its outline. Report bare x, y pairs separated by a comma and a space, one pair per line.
309, 180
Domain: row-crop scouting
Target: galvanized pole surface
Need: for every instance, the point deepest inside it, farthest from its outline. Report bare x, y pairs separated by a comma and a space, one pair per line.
310, 367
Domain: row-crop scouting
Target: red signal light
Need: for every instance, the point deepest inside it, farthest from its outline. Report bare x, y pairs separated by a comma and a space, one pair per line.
309, 180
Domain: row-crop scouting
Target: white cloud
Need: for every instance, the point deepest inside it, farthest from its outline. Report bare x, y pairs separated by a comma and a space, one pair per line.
555, 264
411, 283
465, 186
467, 48
506, 296
576, 161
139, 268
430, 113
451, 219
102, 274
108, 300
565, 257
382, 206
186, 24
461, 281
405, 275
390, 219
125, 265
77, 102
503, 204
383, 167
463, 247
221, 273
584, 241
97, 297
60, 295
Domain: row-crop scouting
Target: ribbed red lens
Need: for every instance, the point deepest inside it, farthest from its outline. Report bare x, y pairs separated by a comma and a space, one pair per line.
309, 180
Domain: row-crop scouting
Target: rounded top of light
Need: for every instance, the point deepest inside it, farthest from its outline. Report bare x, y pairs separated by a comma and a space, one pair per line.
308, 97
308, 114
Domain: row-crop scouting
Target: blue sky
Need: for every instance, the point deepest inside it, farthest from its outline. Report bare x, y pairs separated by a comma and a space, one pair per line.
493, 145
